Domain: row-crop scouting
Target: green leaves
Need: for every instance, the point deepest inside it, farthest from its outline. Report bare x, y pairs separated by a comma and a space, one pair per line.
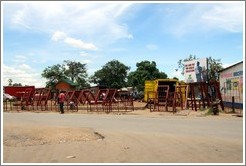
75, 71
146, 70
113, 75
214, 67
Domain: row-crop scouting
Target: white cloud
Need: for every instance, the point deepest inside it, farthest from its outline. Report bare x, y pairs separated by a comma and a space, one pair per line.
79, 44
194, 18
19, 19
225, 16
25, 67
122, 9
22, 74
95, 21
58, 36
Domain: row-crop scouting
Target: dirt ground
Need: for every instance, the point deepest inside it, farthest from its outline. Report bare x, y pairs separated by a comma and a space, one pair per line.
30, 142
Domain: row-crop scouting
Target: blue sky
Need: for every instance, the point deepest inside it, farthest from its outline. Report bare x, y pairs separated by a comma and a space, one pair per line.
36, 35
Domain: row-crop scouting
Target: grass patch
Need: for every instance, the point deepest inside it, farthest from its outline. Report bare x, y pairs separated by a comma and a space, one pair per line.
211, 111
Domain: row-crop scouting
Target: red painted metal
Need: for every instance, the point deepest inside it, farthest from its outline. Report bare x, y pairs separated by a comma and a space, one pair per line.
17, 91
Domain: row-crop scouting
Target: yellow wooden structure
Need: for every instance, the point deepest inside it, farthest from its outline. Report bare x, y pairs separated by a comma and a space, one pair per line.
152, 85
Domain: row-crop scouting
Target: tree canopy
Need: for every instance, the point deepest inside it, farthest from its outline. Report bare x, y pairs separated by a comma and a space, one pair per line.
146, 70
113, 75
13, 84
214, 66
75, 71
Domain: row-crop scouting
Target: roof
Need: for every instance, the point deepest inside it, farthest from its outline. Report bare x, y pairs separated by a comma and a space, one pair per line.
231, 66
68, 81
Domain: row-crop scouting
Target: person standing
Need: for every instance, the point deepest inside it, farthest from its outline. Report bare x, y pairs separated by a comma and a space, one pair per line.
61, 100
198, 71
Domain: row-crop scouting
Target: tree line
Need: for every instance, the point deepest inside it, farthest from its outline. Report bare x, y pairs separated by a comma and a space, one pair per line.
115, 74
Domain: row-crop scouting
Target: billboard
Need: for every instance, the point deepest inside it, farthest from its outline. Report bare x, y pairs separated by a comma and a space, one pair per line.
196, 70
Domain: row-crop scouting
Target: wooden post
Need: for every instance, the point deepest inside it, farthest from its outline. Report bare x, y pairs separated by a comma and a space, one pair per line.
219, 95
193, 97
179, 95
202, 86
233, 104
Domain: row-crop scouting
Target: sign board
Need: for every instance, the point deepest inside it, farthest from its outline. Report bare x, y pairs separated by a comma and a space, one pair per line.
196, 70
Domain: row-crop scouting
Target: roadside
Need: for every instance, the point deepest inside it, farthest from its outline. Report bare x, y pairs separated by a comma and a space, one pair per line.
141, 109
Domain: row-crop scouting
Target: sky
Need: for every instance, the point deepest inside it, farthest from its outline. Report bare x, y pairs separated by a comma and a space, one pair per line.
36, 35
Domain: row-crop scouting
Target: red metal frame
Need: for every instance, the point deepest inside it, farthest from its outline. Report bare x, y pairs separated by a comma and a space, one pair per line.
25, 100
162, 98
108, 100
125, 100
180, 91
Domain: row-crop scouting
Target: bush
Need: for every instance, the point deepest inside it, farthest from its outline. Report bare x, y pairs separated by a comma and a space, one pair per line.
212, 111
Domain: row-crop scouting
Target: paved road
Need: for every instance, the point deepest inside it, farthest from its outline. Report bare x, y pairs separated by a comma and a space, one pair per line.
181, 139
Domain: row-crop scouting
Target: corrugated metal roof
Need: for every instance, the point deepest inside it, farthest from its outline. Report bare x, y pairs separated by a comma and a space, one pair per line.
230, 66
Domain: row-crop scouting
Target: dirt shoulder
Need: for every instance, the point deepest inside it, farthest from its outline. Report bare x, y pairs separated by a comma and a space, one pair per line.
138, 136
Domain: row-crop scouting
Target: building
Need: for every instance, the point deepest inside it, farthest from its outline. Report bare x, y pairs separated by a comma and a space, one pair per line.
152, 85
66, 85
231, 85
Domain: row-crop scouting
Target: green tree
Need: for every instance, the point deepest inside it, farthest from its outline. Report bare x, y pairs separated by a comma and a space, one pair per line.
146, 70
214, 66
10, 82
53, 74
175, 78
113, 75
76, 71
17, 84
13, 84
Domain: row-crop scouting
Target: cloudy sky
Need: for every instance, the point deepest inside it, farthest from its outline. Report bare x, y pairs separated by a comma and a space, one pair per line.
36, 35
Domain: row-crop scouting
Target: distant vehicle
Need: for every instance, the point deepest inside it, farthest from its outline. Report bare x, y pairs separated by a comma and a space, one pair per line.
8, 97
